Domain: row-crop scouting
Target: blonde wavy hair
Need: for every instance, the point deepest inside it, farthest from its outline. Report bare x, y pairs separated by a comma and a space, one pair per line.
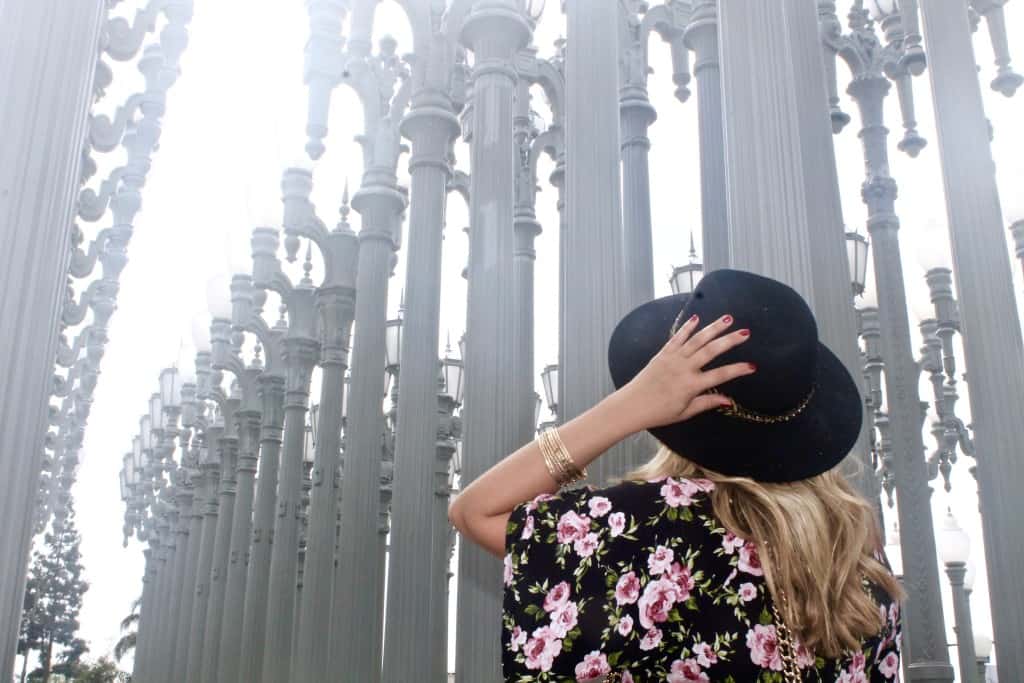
823, 536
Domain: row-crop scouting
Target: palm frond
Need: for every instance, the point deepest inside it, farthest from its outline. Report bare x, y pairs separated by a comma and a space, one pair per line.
126, 643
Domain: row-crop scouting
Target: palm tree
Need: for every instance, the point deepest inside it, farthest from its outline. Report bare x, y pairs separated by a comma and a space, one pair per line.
129, 626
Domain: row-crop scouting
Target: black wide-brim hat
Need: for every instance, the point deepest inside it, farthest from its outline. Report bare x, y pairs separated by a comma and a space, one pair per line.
797, 416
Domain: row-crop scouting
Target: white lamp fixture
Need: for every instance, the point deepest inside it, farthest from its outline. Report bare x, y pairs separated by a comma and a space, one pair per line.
857, 258
549, 378
954, 543
218, 296
685, 278
201, 333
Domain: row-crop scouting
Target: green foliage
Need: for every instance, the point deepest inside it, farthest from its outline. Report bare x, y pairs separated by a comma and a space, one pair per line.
54, 598
102, 670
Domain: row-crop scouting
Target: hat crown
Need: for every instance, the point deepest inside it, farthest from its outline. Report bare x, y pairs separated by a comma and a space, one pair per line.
783, 340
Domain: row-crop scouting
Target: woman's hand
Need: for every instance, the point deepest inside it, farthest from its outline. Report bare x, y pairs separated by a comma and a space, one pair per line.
671, 386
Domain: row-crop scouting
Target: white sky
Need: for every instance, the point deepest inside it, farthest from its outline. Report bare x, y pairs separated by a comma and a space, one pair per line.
236, 117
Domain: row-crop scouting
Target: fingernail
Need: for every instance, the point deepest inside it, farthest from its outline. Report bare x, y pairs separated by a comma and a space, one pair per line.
693, 318
753, 368
726, 319
744, 333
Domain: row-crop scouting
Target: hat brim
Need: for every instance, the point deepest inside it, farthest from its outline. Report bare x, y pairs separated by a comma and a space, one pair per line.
810, 443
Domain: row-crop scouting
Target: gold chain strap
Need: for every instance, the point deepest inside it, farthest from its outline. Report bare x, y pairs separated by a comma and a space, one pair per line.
787, 647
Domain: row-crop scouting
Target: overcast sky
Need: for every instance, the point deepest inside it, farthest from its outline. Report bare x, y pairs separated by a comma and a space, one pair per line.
236, 117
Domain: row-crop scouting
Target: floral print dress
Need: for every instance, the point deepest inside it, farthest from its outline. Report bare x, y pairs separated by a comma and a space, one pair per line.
641, 579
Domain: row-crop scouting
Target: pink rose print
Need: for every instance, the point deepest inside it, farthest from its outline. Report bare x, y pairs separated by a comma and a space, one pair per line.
585, 546
651, 639
749, 560
527, 527
625, 625
658, 598
563, 619
518, 639
599, 506
508, 569
627, 590
705, 654
542, 648
889, 665
557, 597
678, 492
627, 677
731, 542
685, 671
660, 560
747, 591
857, 662
532, 505
704, 484
594, 665
763, 643
682, 578
572, 526
852, 677
617, 523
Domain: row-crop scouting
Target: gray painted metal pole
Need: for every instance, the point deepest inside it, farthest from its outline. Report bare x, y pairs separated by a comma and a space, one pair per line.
163, 590
701, 36
254, 621
449, 428
956, 571
526, 229
336, 304
925, 631
229, 661
432, 127
188, 591
48, 53
300, 355
222, 542
495, 31
179, 528
211, 508
359, 575
593, 272
636, 116
993, 349
145, 619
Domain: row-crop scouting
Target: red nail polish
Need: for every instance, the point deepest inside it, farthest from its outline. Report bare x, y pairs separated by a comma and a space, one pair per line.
753, 368
744, 333
693, 318
727, 319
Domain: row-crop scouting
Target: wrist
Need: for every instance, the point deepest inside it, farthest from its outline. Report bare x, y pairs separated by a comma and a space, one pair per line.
623, 413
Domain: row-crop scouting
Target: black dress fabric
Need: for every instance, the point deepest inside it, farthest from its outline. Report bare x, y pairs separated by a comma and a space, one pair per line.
640, 578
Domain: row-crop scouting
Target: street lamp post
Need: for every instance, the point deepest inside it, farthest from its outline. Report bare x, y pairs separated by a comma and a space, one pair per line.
954, 549
873, 64
300, 354
992, 331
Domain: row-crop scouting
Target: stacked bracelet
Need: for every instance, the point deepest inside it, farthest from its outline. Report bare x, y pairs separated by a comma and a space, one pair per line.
562, 468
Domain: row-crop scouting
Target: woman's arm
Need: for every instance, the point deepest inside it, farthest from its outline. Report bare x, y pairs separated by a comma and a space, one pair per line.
668, 389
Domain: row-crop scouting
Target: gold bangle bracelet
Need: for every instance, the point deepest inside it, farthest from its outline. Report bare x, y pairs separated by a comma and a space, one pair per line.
556, 457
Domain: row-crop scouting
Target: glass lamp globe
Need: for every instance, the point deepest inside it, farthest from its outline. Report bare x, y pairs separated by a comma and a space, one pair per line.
857, 258
170, 387
218, 296
970, 575
201, 333
954, 543
982, 645
156, 412
549, 378
392, 342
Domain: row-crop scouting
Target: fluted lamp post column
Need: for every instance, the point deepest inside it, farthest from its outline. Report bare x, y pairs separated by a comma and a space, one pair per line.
335, 305
209, 465
954, 549
993, 348
271, 393
300, 353
248, 416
